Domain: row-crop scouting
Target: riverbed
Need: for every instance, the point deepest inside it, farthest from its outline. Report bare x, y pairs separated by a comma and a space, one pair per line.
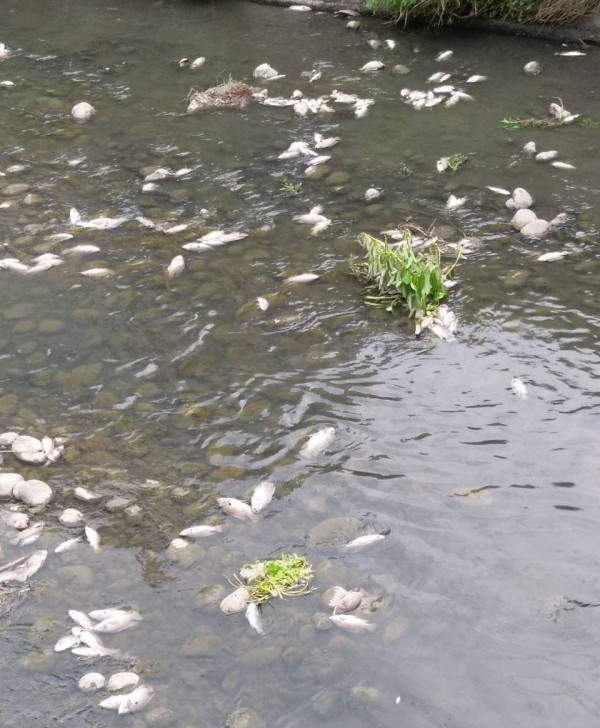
171, 393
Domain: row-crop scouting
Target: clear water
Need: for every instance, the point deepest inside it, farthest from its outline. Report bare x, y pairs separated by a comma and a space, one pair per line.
171, 395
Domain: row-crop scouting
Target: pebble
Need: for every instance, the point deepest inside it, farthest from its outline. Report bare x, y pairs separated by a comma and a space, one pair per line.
83, 111
70, 516
533, 68
522, 198
8, 482
33, 492
536, 228
523, 217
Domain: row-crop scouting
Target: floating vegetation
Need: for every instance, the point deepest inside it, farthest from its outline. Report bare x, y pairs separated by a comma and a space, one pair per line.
454, 162
535, 123
288, 576
288, 187
400, 276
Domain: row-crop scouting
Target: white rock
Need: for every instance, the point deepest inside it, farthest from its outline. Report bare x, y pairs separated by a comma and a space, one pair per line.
84, 494
372, 66
33, 492
29, 449
122, 680
264, 71
7, 438
546, 156
372, 194
70, 517
536, 228
353, 24
523, 217
83, 111
91, 681
8, 482
198, 62
530, 148
522, 198
533, 68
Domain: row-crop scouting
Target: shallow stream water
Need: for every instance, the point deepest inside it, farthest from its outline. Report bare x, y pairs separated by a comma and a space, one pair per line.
173, 393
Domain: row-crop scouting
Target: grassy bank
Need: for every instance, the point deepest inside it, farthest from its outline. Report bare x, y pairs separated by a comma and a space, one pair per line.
522, 11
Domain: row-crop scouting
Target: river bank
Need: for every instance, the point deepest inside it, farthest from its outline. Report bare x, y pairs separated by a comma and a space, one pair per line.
586, 30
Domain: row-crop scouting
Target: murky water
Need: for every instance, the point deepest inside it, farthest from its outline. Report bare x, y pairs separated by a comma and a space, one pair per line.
170, 395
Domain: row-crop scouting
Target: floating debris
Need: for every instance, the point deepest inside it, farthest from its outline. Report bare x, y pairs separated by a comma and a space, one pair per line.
444, 56
93, 538
302, 278
350, 623
372, 66
83, 111
518, 388
318, 442
253, 617
175, 267
552, 257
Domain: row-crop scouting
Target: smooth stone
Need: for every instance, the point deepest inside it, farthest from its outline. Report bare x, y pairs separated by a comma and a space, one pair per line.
321, 621
243, 718
334, 531
338, 178
70, 517
50, 326
522, 198
395, 630
327, 704
20, 311
82, 111
76, 576
331, 572
210, 596
447, 232
178, 196
364, 697
84, 375
32, 199
205, 644
160, 716
259, 657
533, 68
91, 681
8, 402
8, 482
15, 189
400, 70
39, 661
186, 556
118, 503
33, 492
516, 279
536, 228
522, 217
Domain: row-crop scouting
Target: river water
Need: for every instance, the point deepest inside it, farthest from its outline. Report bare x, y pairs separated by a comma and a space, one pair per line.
172, 394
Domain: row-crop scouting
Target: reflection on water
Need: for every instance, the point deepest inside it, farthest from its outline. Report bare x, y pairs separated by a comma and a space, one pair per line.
173, 394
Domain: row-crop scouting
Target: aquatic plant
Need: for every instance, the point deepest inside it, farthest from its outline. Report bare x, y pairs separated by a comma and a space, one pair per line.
455, 161
534, 123
288, 188
401, 276
443, 11
285, 577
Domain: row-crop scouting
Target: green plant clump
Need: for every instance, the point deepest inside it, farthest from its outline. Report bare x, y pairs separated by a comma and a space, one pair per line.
288, 188
534, 123
400, 276
456, 161
285, 577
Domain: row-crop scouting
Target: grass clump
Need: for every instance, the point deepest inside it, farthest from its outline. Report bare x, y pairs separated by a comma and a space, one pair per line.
535, 123
285, 577
288, 187
402, 277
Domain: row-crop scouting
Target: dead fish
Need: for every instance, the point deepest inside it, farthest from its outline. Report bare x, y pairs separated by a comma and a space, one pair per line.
97, 273
29, 535
136, 700
498, 190
175, 267
81, 618
7, 438
84, 494
562, 165
439, 77
200, 531
93, 537
262, 496
546, 156
197, 62
318, 442
67, 545
100, 614
97, 223
236, 508
253, 617
66, 643
476, 79
302, 278
300, 8
444, 55
344, 601
265, 71
372, 194
372, 66
530, 148
113, 702
518, 388
351, 623
117, 623
122, 680
362, 542
16, 519
14, 265
236, 601
551, 257
322, 142
571, 54
353, 24
391, 44
262, 303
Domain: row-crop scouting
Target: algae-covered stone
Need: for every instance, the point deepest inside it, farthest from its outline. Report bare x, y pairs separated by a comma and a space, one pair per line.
334, 532
210, 596
204, 644
244, 718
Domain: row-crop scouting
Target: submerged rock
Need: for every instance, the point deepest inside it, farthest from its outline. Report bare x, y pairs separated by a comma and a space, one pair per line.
334, 532
243, 718
33, 492
232, 95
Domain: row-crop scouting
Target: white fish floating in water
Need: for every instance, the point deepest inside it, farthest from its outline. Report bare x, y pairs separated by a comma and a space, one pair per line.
236, 508
296, 149
214, 239
235, 602
351, 623
262, 496
266, 72
363, 542
562, 165
518, 388
122, 680
302, 278
25, 569
344, 601
353, 24
200, 531
476, 79
29, 535
66, 643
253, 617
571, 54
262, 303
97, 223
91, 682
100, 614
113, 702
554, 256
136, 700
300, 8
372, 66
453, 202
97, 273
158, 175
546, 156
390, 44
311, 218
175, 267
82, 250
444, 56
93, 537
118, 623
14, 265
318, 442
530, 148
249, 573
498, 190
322, 142
197, 62
84, 494
68, 544
81, 618
439, 77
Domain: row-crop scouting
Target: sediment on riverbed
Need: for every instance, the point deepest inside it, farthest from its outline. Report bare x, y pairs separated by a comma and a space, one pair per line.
560, 20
